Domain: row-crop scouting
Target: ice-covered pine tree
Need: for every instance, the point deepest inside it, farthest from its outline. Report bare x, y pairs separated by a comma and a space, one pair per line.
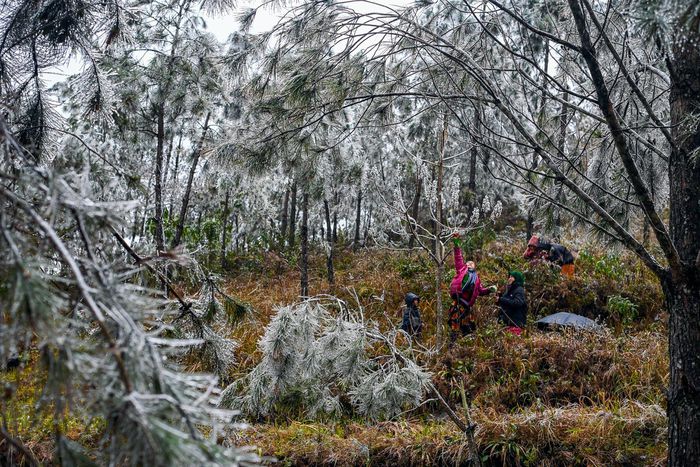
70, 292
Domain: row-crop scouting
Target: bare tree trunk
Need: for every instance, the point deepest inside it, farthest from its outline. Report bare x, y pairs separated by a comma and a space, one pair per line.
474, 155
235, 220
335, 218
199, 221
681, 244
175, 174
415, 209
472, 170
440, 271
541, 139
368, 224
358, 218
293, 216
561, 147
166, 170
304, 257
284, 219
188, 189
142, 230
330, 240
160, 240
224, 226
682, 291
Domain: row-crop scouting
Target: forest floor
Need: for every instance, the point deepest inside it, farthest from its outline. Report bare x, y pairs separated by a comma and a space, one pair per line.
544, 398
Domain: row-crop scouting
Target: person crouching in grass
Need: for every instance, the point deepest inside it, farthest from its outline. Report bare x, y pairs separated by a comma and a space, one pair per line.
513, 303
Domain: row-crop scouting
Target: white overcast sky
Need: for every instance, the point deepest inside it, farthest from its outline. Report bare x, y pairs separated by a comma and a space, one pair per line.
222, 26
265, 19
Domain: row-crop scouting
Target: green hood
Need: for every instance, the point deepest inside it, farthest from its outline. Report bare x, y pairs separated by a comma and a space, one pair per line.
518, 276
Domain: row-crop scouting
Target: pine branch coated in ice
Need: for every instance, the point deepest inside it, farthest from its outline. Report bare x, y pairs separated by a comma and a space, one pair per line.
312, 357
89, 323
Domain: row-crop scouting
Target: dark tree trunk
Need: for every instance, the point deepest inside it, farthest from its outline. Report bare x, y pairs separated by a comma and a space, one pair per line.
330, 240
683, 293
188, 189
681, 246
235, 221
683, 301
335, 219
199, 221
541, 138
472, 169
166, 170
474, 155
529, 225
293, 216
368, 224
224, 226
284, 218
415, 209
647, 160
335, 226
160, 135
304, 257
142, 230
175, 174
358, 218
437, 245
135, 227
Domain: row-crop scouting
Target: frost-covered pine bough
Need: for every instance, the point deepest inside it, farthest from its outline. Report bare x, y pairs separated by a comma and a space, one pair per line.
321, 358
69, 292
206, 320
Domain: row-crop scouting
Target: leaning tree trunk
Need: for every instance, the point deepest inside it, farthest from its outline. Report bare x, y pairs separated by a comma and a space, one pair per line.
304, 257
682, 290
330, 240
188, 189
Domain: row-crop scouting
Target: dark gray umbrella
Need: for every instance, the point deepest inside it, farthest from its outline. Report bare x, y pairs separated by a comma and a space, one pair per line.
564, 318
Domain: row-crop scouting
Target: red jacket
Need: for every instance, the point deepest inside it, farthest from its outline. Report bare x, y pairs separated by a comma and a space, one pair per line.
456, 284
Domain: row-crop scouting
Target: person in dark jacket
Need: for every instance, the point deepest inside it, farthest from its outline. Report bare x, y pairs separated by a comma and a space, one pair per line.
513, 303
412, 323
552, 252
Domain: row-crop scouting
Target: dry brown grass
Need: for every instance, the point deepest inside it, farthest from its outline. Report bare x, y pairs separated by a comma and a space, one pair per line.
505, 372
542, 399
632, 434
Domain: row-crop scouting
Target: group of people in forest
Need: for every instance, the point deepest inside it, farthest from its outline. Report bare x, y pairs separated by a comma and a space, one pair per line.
466, 287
